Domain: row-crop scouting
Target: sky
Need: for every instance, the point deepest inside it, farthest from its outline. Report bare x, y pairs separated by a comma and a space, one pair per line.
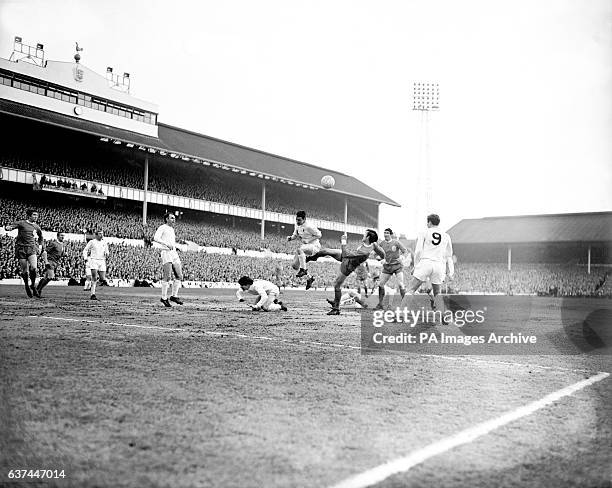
525, 119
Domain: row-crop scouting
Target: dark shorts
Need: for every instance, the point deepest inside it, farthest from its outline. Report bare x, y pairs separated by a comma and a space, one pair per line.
391, 269
52, 265
24, 252
349, 265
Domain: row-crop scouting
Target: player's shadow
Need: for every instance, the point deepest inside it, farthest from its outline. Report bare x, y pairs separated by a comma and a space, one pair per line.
589, 331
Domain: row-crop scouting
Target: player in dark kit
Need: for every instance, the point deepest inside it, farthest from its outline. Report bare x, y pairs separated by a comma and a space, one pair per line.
51, 257
350, 261
362, 273
393, 265
28, 244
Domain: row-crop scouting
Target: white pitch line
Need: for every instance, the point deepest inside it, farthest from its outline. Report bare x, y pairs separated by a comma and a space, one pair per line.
403, 464
313, 343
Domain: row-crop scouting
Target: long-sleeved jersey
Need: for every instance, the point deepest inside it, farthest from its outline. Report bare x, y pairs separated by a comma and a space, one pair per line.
165, 234
55, 250
263, 288
29, 234
95, 249
309, 234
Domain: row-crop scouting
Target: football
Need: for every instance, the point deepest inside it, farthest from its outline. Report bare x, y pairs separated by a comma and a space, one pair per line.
328, 181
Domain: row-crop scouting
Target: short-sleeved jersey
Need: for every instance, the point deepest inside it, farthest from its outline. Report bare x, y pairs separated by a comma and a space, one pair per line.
434, 245
309, 234
28, 233
55, 250
95, 249
393, 249
165, 234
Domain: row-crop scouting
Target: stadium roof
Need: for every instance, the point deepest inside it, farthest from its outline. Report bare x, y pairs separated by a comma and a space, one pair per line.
577, 227
180, 141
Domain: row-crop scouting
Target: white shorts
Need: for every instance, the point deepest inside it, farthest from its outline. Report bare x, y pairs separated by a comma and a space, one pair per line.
310, 249
170, 257
97, 264
433, 270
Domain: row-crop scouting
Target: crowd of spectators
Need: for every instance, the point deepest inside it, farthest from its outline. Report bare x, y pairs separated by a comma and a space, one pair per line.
176, 177
538, 279
127, 223
128, 262
68, 185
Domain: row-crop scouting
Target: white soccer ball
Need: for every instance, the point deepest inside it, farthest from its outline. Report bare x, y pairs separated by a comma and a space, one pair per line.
328, 181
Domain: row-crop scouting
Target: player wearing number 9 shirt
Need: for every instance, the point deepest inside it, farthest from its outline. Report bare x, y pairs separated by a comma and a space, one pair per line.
432, 253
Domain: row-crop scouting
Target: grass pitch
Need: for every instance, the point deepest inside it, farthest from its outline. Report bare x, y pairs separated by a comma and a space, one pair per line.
124, 392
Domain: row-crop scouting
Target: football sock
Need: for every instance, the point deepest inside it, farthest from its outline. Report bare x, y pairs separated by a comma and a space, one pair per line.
402, 291
42, 283
33, 275
165, 286
381, 294
337, 297
176, 285
25, 278
93, 287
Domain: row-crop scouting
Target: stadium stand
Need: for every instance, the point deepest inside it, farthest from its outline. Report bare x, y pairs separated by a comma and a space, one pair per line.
128, 262
124, 221
188, 180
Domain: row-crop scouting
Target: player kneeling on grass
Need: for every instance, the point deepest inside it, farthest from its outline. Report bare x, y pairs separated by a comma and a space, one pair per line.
266, 291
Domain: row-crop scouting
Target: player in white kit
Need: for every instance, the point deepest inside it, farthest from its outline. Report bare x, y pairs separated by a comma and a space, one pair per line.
95, 254
309, 235
264, 291
171, 263
433, 253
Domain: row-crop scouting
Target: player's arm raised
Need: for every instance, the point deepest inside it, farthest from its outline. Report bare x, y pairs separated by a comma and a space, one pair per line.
379, 250
343, 244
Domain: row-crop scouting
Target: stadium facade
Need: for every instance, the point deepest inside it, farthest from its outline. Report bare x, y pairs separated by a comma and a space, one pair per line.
578, 238
58, 114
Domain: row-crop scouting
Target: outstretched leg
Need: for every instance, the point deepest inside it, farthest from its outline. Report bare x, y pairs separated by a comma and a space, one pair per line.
325, 251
